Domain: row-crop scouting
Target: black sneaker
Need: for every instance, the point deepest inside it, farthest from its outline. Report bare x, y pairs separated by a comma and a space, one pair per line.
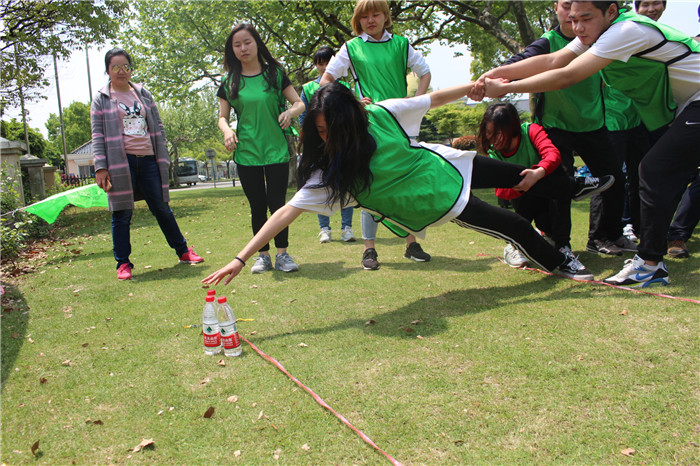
573, 268
416, 253
625, 244
606, 246
587, 186
369, 259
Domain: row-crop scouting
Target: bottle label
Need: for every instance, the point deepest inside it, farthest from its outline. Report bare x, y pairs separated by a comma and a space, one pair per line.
230, 340
211, 337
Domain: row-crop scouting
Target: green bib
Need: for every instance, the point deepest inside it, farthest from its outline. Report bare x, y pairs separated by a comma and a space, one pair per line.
310, 88
380, 67
261, 141
646, 81
578, 108
412, 187
620, 112
526, 155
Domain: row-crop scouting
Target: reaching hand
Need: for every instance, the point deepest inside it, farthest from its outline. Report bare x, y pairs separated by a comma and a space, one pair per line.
478, 90
496, 87
365, 101
230, 141
231, 269
285, 119
530, 177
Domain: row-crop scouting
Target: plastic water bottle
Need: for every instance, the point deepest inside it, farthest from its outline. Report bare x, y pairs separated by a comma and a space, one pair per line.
229, 332
210, 328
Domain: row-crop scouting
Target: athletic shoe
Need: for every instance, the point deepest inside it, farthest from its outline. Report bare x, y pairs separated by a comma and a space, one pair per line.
625, 244
369, 259
347, 235
285, 263
678, 249
124, 272
628, 232
514, 258
590, 185
639, 274
263, 263
190, 257
598, 246
416, 253
573, 268
325, 235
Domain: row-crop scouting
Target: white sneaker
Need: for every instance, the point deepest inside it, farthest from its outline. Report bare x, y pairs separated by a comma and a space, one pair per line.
325, 235
514, 257
347, 235
628, 232
637, 273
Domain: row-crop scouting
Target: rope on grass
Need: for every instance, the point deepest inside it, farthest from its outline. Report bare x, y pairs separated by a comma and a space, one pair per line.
597, 282
320, 401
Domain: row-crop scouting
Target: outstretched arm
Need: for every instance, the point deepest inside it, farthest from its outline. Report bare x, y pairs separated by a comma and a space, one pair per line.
326, 78
281, 219
579, 69
449, 94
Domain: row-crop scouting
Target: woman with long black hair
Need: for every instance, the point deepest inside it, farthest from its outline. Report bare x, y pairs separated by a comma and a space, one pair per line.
363, 156
257, 89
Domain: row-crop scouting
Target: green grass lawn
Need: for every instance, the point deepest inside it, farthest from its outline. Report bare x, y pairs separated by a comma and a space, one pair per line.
461, 360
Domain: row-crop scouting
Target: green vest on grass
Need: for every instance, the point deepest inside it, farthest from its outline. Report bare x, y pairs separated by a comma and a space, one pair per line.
578, 108
380, 67
526, 155
412, 187
646, 81
261, 141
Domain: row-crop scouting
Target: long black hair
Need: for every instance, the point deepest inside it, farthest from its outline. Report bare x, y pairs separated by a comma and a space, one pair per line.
344, 158
505, 119
270, 66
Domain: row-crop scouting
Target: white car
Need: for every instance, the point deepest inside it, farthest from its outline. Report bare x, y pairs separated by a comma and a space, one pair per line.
202, 177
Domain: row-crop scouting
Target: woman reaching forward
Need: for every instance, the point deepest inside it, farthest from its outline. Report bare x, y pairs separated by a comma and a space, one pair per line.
355, 155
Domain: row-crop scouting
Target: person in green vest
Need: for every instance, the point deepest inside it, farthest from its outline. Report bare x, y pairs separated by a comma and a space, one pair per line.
379, 62
321, 58
502, 137
257, 89
658, 68
355, 155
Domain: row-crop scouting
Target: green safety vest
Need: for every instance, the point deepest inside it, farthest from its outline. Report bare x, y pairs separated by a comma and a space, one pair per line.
578, 108
526, 154
646, 81
380, 67
261, 141
620, 112
310, 88
412, 187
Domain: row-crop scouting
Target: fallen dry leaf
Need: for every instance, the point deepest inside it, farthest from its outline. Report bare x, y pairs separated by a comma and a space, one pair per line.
260, 415
416, 322
303, 345
254, 332
237, 453
306, 447
409, 330
418, 336
623, 312
205, 381
147, 266
209, 413
147, 442
84, 345
35, 447
232, 399
276, 454
370, 322
221, 362
160, 412
628, 451
42, 380
15, 335
66, 362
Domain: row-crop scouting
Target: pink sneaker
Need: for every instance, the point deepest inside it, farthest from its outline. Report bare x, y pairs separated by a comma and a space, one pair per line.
124, 272
190, 257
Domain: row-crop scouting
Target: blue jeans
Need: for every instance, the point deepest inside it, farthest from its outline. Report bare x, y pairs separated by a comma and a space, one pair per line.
145, 177
345, 219
369, 226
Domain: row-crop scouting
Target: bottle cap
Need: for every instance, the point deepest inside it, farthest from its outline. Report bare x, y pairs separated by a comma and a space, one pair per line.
210, 299
222, 299
211, 292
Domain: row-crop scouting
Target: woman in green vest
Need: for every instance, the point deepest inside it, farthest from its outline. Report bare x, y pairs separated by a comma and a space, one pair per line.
363, 156
257, 89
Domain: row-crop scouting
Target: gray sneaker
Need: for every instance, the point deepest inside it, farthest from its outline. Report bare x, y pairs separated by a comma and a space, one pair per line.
263, 263
626, 244
514, 257
606, 246
285, 263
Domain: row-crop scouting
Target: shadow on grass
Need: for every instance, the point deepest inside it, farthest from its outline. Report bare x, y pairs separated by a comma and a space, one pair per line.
14, 328
434, 312
176, 271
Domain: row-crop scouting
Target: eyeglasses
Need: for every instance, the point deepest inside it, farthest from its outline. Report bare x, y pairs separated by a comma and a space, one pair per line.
127, 68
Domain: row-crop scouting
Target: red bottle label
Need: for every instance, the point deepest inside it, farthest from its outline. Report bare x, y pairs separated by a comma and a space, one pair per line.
211, 340
231, 341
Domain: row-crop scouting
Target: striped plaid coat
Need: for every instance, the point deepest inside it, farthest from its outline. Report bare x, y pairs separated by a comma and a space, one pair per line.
108, 146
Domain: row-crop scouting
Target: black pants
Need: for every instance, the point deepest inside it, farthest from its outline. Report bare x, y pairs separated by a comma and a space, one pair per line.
605, 221
664, 175
630, 146
504, 224
266, 188
688, 213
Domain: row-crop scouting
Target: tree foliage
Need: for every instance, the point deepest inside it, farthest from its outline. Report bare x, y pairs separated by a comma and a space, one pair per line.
179, 44
13, 130
76, 121
34, 30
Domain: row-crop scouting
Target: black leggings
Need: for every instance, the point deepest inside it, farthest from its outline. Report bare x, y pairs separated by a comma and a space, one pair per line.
504, 224
266, 188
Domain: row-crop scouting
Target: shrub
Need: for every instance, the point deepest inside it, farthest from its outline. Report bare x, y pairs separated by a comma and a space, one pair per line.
465, 143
